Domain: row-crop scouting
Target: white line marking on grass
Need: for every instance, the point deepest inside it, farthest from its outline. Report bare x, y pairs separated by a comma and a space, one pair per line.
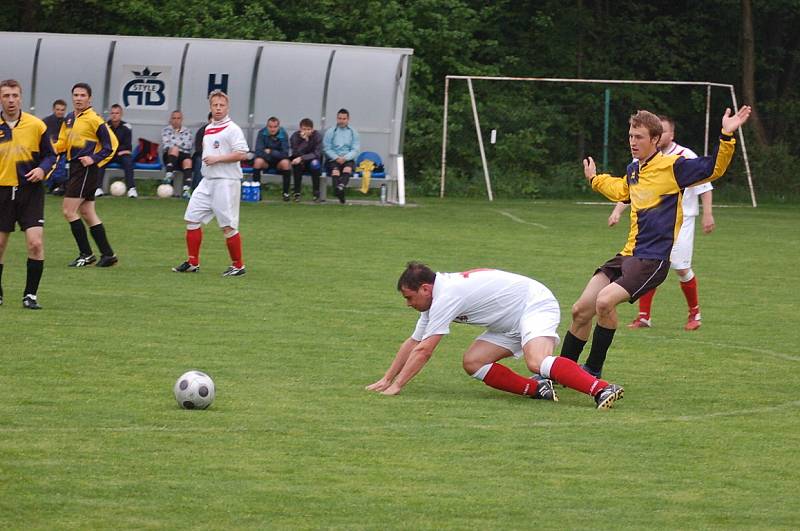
518, 220
602, 419
781, 355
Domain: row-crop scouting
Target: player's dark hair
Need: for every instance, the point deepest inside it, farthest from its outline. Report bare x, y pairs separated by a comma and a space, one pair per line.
60, 102
344, 111
670, 121
306, 122
649, 121
116, 106
84, 86
273, 119
11, 83
176, 111
415, 275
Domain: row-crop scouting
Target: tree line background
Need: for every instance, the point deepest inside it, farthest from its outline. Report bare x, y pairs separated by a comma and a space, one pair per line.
543, 130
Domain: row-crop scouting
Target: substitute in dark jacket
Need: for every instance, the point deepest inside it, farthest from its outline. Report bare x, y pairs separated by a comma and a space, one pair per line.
124, 155
272, 153
306, 147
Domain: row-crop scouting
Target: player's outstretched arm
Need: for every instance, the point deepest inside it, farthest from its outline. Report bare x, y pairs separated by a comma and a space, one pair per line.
732, 122
417, 359
397, 365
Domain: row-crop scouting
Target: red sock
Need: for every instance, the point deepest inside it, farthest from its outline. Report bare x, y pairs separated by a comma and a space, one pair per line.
503, 378
234, 244
194, 237
645, 303
567, 372
690, 292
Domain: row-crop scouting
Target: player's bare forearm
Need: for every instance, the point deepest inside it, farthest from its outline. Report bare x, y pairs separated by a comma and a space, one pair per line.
417, 359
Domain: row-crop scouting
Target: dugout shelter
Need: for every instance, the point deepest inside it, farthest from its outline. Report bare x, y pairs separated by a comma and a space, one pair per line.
151, 76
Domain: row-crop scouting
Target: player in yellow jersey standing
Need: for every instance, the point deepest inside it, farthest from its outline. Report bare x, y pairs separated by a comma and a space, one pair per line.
654, 185
88, 144
26, 159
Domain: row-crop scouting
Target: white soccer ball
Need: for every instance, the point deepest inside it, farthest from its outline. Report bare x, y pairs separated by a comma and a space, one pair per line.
118, 188
164, 190
194, 390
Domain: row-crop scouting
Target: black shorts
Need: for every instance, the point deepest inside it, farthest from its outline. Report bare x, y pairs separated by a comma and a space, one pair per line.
271, 164
182, 155
23, 205
333, 165
82, 181
636, 275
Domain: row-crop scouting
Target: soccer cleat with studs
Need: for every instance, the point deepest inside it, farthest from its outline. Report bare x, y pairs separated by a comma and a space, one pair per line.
640, 322
544, 389
608, 395
693, 323
83, 261
234, 271
30, 302
186, 267
107, 261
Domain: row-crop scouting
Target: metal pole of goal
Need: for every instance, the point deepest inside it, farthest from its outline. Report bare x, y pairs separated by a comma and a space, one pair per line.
744, 151
708, 116
480, 140
444, 136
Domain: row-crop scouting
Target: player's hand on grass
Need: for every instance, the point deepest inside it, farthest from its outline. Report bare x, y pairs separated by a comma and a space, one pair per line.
589, 168
732, 122
380, 385
708, 223
35, 175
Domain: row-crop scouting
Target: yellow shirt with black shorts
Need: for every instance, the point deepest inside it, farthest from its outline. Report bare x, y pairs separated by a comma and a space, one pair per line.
85, 135
24, 146
654, 188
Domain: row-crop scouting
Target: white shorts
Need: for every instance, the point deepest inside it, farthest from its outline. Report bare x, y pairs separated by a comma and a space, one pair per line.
215, 198
540, 318
681, 256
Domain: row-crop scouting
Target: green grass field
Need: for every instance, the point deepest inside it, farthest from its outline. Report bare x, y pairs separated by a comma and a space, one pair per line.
91, 437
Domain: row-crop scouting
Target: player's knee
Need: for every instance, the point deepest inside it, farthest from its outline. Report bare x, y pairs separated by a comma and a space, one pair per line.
173, 151
191, 225
284, 164
685, 275
35, 248
348, 170
477, 369
604, 306
581, 312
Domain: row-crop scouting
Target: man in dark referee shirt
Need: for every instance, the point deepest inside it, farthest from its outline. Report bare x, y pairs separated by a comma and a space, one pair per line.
123, 156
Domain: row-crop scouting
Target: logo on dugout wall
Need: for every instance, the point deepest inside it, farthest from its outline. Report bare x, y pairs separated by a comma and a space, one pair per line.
146, 87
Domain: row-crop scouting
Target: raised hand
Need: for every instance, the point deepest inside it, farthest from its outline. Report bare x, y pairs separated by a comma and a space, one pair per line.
589, 168
732, 122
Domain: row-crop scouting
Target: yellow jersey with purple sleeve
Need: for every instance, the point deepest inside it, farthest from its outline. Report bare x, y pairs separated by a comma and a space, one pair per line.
87, 134
654, 189
24, 147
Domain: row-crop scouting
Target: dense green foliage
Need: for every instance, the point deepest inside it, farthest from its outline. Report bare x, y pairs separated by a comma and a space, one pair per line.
543, 131
91, 437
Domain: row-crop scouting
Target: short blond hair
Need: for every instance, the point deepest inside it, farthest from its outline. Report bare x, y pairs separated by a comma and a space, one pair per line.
649, 121
218, 93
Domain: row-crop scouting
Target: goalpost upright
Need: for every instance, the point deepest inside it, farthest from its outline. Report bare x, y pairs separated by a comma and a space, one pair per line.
469, 79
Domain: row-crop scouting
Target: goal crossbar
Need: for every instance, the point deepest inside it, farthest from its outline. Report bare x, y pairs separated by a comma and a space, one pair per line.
469, 79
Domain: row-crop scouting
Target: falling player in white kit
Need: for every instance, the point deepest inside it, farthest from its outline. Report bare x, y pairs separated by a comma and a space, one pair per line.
520, 315
219, 192
681, 256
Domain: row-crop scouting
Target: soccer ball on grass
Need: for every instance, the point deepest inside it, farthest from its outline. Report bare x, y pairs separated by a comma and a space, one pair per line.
194, 390
164, 190
118, 188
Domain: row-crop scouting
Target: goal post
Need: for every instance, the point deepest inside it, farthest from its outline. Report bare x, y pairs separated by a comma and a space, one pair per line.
475, 115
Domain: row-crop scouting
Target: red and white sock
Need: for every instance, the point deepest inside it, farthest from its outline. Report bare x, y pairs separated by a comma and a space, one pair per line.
645, 304
194, 238
503, 378
689, 289
568, 373
234, 243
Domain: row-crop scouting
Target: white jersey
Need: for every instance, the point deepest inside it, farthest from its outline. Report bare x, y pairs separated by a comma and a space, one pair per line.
690, 203
483, 297
222, 138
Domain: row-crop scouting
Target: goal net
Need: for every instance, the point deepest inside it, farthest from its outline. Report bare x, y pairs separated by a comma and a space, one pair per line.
520, 136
